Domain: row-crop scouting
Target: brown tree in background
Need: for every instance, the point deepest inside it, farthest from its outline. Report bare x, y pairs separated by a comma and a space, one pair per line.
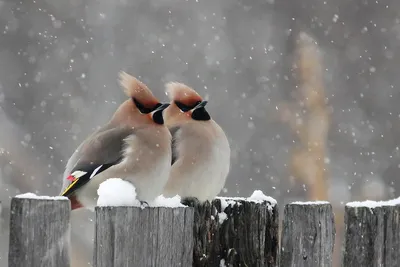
309, 120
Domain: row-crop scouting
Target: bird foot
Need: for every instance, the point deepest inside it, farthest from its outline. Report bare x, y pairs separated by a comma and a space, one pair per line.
190, 201
144, 204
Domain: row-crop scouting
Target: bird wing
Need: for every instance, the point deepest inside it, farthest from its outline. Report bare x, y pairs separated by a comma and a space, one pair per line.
174, 132
99, 152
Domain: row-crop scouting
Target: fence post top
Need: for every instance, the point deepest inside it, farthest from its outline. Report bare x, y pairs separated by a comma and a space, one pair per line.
373, 204
32, 196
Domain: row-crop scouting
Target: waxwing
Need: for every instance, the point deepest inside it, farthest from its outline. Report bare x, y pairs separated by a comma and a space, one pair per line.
200, 149
134, 145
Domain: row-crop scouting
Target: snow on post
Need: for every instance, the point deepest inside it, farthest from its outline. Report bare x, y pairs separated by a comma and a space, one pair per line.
128, 234
308, 234
39, 231
236, 231
372, 236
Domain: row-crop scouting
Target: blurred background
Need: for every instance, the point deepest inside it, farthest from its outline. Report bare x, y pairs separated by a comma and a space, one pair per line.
307, 91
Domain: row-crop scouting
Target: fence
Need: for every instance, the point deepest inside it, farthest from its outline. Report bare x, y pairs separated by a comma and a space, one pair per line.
226, 232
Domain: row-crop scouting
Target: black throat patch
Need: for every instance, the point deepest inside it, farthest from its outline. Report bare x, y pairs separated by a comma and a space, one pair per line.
200, 114
158, 117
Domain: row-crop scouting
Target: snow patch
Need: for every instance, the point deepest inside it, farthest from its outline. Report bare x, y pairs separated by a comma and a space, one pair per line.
161, 201
222, 216
222, 263
310, 203
117, 192
374, 204
225, 202
34, 196
257, 197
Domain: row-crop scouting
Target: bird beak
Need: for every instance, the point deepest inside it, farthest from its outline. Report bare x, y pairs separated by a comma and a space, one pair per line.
202, 104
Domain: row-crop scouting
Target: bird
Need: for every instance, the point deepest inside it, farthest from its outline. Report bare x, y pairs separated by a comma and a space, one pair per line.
200, 148
134, 145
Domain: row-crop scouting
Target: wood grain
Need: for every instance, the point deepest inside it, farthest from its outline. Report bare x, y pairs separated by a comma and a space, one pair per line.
308, 235
136, 237
240, 234
372, 236
39, 233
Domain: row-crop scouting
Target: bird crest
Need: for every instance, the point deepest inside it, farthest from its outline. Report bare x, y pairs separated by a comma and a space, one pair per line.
182, 93
137, 90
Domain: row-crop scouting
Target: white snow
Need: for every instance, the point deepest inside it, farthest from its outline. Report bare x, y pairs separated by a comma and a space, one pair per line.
173, 202
117, 192
222, 216
34, 196
257, 197
225, 202
374, 204
222, 263
309, 203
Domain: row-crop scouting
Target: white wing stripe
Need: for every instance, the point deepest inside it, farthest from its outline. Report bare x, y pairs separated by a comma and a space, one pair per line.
95, 171
78, 174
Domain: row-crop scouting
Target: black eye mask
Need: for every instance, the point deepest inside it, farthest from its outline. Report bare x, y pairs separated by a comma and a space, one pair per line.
142, 108
184, 107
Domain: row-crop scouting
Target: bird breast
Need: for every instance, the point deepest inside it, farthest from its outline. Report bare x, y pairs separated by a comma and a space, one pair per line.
203, 161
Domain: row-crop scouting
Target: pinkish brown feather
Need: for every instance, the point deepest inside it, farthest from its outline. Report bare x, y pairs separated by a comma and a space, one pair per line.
182, 93
134, 88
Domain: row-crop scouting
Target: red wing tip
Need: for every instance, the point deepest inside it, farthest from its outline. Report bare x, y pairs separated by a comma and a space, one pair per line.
71, 178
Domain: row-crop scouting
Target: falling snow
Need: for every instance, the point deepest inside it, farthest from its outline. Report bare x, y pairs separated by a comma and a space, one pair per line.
58, 83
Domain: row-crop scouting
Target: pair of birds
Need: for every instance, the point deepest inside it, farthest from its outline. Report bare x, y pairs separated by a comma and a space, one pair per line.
170, 149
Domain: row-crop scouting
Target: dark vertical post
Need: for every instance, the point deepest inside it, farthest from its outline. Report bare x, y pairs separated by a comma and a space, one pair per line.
235, 232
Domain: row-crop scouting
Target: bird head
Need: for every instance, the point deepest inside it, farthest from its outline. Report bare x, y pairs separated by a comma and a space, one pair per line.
142, 107
186, 105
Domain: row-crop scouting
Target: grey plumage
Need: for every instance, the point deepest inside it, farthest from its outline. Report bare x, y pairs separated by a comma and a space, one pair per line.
105, 146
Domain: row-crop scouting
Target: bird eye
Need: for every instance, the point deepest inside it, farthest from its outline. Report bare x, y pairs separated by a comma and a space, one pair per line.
141, 107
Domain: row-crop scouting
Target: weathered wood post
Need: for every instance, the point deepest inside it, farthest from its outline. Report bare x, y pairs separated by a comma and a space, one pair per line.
136, 237
308, 235
372, 236
39, 231
1, 219
236, 232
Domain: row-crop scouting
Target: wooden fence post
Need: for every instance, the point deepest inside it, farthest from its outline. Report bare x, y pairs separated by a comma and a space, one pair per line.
136, 237
2, 237
39, 231
372, 236
308, 235
1, 220
235, 232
